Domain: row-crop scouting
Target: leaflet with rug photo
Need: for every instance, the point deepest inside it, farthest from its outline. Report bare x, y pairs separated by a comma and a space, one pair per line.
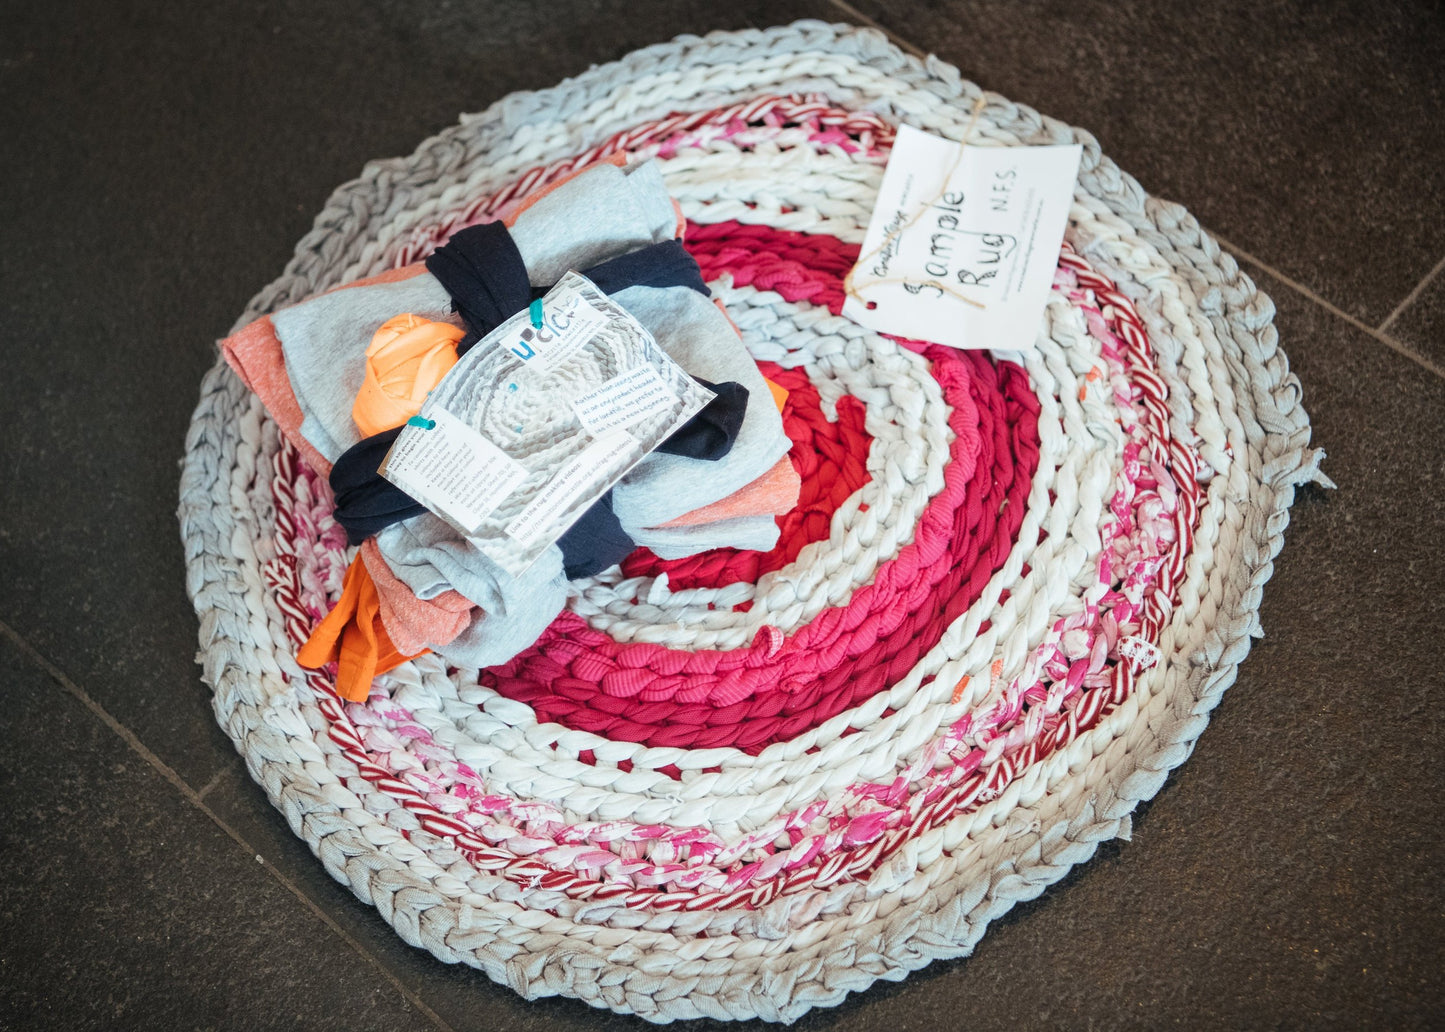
963, 242
539, 419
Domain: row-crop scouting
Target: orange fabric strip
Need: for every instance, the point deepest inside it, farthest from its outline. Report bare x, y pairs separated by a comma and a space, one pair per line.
354, 637
407, 357
780, 396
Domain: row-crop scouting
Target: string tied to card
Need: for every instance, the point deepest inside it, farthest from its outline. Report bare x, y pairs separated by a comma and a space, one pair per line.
852, 288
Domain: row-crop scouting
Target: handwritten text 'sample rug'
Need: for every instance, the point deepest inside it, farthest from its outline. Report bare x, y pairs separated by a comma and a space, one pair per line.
747, 784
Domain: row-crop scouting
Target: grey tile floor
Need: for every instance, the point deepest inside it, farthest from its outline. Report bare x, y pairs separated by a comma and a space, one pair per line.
159, 163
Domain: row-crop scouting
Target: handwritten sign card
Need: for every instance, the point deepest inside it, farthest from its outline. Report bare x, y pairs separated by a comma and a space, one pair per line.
963, 243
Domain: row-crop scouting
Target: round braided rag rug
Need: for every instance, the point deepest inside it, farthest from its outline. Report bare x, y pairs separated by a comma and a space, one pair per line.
745, 784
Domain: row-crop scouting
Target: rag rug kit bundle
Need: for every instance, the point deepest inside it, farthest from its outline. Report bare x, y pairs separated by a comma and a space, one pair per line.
746, 782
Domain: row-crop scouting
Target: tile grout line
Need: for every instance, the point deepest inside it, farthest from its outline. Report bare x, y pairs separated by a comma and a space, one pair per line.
194, 798
899, 41
205, 790
1410, 297
1309, 294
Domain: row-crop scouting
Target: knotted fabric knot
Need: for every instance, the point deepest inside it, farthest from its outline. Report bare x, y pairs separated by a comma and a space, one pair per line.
408, 356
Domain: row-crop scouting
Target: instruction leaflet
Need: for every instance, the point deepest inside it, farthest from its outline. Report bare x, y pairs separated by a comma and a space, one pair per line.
535, 423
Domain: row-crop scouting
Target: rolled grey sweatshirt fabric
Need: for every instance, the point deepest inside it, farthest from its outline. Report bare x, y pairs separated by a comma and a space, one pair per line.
755, 532
602, 213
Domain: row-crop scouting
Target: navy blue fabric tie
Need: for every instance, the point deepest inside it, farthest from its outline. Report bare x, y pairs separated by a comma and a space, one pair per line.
482, 270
